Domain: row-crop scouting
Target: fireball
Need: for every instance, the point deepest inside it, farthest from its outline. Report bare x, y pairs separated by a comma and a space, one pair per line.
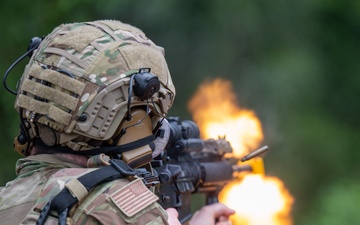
216, 113
257, 199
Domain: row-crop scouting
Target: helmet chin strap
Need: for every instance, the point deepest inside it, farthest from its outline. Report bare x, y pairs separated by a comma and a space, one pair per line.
136, 145
109, 150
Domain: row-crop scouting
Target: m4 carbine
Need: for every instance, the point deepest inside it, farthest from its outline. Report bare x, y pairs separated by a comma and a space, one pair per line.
190, 165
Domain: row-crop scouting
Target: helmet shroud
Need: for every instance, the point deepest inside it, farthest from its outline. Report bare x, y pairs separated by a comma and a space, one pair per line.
74, 92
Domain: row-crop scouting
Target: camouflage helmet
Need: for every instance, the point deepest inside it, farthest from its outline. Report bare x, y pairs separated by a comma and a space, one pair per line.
77, 88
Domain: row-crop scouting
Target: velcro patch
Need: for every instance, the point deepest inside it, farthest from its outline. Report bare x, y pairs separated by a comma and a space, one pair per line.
133, 198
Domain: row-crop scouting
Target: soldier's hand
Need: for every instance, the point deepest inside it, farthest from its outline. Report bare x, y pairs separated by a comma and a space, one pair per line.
173, 216
215, 214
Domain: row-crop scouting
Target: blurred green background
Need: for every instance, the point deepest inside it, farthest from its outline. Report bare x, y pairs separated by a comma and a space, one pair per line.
295, 63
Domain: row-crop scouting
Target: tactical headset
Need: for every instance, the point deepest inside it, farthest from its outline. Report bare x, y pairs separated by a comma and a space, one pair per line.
142, 84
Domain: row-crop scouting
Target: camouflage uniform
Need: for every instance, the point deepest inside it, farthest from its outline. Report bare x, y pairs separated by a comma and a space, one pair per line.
75, 93
41, 177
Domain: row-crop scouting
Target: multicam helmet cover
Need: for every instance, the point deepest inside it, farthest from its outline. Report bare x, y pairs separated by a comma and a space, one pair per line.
74, 90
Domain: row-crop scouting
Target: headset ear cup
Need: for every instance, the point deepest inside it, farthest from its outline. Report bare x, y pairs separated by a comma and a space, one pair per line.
21, 144
146, 85
47, 135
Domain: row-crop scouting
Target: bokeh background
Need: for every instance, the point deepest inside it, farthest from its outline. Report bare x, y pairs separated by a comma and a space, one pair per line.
295, 63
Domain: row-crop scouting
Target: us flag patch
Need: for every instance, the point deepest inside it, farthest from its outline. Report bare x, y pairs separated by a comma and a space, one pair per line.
133, 198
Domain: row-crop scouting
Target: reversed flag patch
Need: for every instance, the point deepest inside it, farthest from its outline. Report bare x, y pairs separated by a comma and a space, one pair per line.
133, 198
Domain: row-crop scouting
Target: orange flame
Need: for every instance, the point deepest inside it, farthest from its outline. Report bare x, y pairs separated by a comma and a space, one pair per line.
258, 199
216, 114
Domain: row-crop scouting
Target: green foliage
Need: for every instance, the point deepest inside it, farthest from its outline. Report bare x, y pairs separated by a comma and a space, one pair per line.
294, 62
338, 204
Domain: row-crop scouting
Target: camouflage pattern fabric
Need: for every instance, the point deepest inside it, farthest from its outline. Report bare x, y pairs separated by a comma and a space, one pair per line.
83, 70
41, 177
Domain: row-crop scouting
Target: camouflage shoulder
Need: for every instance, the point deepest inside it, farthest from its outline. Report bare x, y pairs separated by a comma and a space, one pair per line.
21, 190
57, 182
120, 202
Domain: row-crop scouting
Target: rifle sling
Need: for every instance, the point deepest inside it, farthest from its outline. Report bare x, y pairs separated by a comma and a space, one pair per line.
63, 201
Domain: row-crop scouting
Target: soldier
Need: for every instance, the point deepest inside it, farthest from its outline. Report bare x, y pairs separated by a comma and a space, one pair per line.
92, 103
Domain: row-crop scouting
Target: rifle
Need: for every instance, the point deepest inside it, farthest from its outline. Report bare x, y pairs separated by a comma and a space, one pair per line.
190, 165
